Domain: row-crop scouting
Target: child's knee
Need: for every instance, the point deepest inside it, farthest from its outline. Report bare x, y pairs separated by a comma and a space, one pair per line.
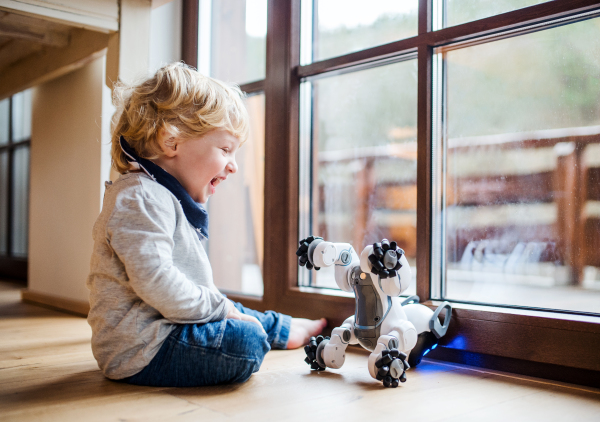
246, 345
245, 340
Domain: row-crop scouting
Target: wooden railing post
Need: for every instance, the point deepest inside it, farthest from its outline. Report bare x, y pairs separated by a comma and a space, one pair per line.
570, 202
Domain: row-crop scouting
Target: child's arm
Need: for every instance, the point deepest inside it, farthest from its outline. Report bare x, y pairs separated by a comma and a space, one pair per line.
140, 231
233, 313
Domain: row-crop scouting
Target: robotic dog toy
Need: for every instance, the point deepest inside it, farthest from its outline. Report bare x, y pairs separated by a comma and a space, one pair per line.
398, 333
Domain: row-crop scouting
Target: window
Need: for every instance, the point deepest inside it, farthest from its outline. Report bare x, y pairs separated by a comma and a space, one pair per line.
334, 27
468, 130
15, 136
454, 12
233, 39
363, 160
232, 47
519, 145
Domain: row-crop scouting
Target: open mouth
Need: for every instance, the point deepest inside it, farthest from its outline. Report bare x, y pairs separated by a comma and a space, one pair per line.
214, 182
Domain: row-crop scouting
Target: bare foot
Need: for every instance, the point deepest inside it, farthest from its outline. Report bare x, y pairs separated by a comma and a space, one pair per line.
303, 329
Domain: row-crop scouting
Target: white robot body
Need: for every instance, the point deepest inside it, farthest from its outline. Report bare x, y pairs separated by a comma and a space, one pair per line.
419, 315
382, 323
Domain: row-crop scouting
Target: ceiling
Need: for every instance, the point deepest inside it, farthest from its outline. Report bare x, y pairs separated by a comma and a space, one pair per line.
22, 36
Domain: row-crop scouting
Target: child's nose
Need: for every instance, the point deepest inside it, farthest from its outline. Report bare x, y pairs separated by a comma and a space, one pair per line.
232, 166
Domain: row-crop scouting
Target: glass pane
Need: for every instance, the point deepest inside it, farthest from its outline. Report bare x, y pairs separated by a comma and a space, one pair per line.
3, 202
233, 39
522, 170
335, 27
461, 11
236, 224
21, 116
4, 121
20, 206
364, 161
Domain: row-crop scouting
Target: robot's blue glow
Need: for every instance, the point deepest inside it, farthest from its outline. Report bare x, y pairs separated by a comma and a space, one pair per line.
459, 343
426, 351
434, 346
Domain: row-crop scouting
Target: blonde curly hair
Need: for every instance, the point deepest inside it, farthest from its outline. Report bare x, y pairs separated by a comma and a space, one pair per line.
177, 102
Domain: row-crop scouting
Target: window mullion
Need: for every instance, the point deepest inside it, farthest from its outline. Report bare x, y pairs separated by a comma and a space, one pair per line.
424, 154
281, 150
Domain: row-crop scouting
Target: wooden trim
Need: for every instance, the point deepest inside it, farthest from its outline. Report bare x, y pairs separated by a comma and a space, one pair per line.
424, 154
512, 20
492, 25
75, 307
13, 268
380, 52
519, 366
533, 318
557, 346
425, 17
253, 87
314, 303
253, 302
14, 145
10, 181
281, 149
189, 32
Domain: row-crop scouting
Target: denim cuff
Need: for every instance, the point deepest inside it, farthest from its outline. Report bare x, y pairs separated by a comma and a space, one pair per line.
282, 332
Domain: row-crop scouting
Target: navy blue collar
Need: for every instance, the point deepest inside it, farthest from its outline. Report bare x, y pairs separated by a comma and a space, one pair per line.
194, 212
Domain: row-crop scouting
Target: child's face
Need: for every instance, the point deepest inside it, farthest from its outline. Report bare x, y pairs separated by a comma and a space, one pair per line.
200, 164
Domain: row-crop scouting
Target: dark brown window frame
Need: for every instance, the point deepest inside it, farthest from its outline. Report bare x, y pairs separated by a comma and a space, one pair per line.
545, 344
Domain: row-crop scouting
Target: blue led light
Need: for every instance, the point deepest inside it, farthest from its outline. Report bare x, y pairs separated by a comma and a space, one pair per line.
426, 351
434, 346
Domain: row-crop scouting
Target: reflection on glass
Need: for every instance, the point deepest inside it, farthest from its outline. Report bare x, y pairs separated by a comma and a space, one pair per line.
3, 202
21, 116
522, 170
335, 27
236, 223
461, 11
364, 160
233, 36
4, 121
20, 214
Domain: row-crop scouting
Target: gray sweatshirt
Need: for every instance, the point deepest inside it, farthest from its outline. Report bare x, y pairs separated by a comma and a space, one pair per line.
148, 272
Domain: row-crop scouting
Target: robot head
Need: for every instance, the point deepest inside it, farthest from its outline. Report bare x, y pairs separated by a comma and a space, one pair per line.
389, 263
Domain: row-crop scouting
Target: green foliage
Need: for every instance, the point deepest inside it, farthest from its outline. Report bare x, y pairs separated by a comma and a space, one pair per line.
461, 11
544, 80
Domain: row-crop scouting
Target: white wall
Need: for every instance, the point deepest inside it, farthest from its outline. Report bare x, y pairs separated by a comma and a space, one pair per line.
165, 35
67, 160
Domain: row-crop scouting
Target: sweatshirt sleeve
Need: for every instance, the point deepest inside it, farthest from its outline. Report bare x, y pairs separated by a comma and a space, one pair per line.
140, 231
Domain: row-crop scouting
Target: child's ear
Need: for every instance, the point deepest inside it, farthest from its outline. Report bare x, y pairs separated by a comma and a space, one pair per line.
169, 146
168, 143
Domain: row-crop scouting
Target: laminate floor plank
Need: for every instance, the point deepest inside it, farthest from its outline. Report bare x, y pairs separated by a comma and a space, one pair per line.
48, 373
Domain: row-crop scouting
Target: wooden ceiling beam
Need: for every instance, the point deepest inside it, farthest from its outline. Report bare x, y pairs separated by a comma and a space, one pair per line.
95, 15
48, 37
52, 62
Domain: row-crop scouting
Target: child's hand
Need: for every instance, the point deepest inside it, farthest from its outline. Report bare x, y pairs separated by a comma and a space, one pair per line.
233, 313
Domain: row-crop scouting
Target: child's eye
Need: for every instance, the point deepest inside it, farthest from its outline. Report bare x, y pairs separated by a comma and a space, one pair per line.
225, 150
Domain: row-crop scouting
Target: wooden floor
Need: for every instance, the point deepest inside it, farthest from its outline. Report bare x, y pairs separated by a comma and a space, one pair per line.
48, 373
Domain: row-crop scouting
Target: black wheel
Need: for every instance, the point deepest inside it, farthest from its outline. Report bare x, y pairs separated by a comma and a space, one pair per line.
385, 259
313, 353
391, 368
303, 250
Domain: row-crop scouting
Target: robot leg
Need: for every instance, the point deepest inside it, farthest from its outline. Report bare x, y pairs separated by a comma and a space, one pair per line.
429, 328
331, 352
387, 363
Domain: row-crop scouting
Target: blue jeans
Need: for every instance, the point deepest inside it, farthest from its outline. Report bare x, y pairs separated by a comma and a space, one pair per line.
220, 352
